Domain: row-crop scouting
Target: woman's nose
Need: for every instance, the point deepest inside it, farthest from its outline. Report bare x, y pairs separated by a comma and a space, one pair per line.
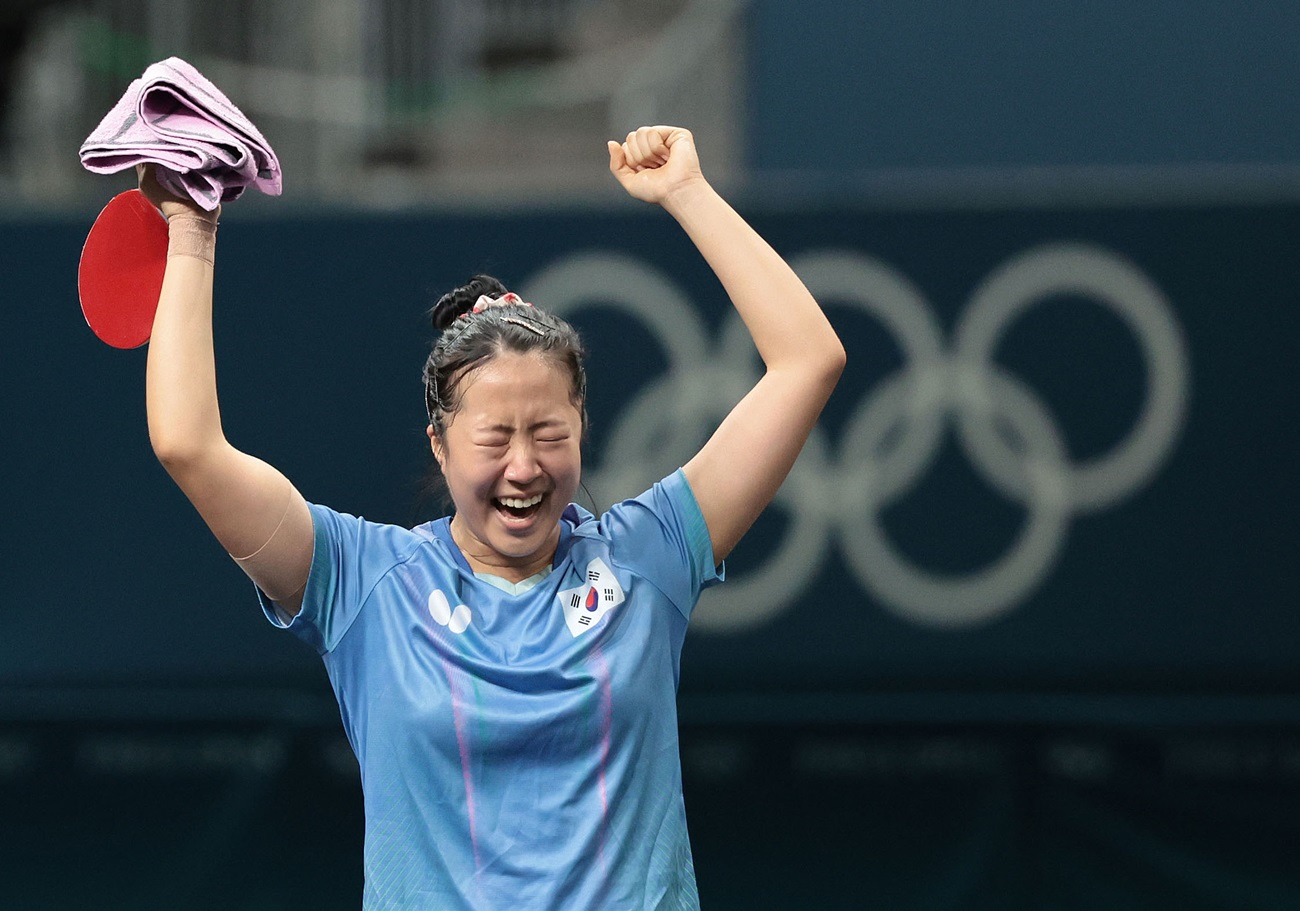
522, 465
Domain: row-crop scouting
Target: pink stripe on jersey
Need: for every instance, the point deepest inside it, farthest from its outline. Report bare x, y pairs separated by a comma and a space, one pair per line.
601, 667
463, 745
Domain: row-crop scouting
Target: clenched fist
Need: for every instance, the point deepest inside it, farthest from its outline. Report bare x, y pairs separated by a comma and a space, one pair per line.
653, 163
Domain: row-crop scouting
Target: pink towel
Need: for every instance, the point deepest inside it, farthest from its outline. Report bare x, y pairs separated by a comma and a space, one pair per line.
173, 117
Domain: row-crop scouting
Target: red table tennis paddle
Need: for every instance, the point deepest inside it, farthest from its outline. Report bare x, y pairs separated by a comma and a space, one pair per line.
121, 270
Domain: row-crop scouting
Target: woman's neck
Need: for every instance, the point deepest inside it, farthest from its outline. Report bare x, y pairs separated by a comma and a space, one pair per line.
483, 559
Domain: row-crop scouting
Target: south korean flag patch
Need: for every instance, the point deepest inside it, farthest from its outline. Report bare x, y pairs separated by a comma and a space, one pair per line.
596, 596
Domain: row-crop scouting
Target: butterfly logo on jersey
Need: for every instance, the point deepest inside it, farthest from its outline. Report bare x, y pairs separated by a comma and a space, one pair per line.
457, 619
596, 596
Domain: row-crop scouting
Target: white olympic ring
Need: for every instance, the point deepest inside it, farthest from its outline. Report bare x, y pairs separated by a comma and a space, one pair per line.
892, 438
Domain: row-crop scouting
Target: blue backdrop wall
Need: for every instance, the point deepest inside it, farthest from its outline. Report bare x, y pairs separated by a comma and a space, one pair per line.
1061, 456
842, 88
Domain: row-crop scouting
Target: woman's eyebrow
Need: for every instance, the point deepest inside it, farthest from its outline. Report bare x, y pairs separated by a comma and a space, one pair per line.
510, 428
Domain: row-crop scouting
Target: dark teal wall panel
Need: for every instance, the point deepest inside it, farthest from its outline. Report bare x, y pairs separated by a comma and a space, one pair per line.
1181, 581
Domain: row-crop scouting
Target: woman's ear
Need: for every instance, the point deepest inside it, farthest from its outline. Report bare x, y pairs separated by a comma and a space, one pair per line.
435, 444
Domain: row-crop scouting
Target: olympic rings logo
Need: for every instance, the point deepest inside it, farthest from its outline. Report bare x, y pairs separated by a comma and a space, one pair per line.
894, 434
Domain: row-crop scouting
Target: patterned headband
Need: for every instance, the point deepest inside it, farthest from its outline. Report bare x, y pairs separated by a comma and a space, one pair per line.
484, 302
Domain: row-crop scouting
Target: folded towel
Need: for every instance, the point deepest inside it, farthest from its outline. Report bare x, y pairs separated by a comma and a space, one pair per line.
204, 146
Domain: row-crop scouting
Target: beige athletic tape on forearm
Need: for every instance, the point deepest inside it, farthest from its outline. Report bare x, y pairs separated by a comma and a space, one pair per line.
280, 567
191, 235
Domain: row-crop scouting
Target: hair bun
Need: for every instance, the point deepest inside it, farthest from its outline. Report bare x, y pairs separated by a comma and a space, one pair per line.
462, 300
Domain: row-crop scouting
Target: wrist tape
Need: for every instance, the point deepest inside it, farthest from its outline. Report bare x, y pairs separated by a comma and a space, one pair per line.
191, 235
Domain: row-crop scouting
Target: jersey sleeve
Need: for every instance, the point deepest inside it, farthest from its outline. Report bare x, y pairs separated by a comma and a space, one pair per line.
662, 536
349, 557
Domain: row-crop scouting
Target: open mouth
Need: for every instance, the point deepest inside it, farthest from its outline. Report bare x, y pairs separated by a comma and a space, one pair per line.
518, 507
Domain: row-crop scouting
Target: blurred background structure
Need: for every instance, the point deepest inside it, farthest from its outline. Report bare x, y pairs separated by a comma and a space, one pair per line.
1020, 632
387, 103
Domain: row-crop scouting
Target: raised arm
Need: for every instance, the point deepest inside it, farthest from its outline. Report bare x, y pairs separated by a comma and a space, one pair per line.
737, 472
257, 515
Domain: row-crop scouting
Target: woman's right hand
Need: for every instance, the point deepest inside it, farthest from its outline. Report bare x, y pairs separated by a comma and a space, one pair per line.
168, 203
654, 163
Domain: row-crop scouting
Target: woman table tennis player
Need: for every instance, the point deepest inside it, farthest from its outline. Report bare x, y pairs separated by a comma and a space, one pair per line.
507, 676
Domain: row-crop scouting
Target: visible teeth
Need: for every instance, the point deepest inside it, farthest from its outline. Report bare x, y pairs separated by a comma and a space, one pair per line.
520, 504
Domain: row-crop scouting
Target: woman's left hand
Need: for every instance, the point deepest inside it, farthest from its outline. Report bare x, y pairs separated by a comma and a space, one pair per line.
653, 163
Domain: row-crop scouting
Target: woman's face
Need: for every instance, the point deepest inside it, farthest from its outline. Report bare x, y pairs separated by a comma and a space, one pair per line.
511, 457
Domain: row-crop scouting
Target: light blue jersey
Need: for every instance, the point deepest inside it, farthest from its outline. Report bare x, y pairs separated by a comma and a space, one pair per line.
516, 750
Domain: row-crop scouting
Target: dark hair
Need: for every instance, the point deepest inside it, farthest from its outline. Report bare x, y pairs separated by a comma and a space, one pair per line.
469, 339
